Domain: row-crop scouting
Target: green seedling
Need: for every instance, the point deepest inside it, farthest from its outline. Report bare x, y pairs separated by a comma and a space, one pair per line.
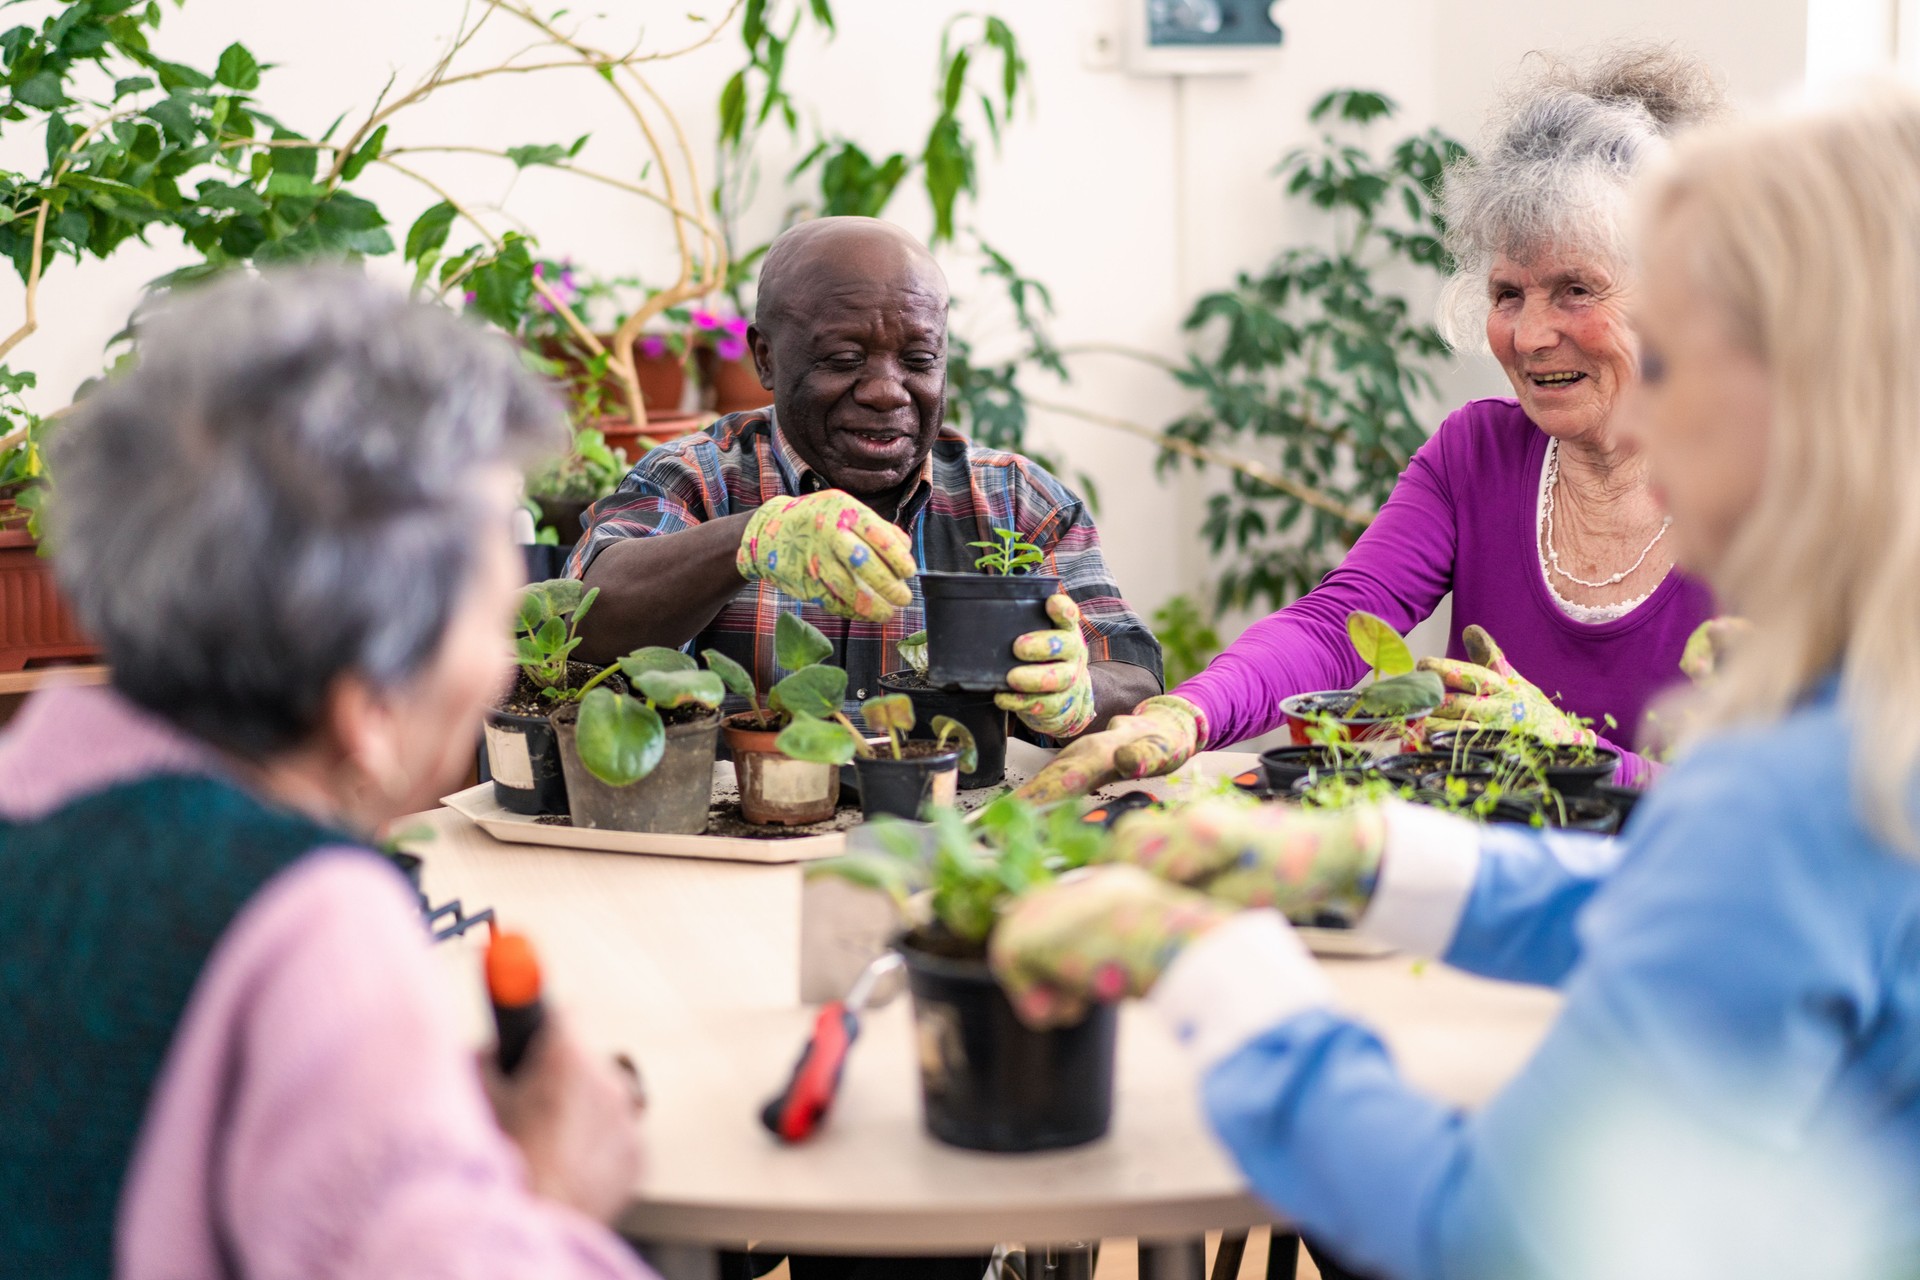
913, 652
546, 626
1007, 554
811, 690
621, 736
967, 874
1397, 689
828, 737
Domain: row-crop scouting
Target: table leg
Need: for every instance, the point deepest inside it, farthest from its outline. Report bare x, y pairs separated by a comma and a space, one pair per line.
1062, 1261
1283, 1255
682, 1261
1226, 1260
1173, 1260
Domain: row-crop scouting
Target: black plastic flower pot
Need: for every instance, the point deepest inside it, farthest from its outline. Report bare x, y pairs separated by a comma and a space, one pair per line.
1287, 765
1575, 779
1409, 767
1313, 778
1573, 813
1479, 738
524, 757
674, 799
1622, 798
988, 1081
973, 620
986, 722
923, 778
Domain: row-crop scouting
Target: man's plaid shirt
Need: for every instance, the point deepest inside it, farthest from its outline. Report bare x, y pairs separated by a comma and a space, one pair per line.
965, 493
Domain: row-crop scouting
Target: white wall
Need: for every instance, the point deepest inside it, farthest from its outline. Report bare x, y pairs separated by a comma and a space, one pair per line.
1127, 195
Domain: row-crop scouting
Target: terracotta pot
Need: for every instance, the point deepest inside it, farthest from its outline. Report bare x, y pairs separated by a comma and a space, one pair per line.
776, 791
733, 385
633, 440
663, 378
35, 624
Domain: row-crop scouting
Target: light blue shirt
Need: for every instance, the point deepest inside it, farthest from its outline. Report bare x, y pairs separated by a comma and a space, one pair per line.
1734, 1076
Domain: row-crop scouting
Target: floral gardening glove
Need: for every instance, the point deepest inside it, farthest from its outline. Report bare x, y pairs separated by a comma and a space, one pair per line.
1053, 692
1161, 735
1096, 935
1486, 690
1307, 863
1708, 646
830, 549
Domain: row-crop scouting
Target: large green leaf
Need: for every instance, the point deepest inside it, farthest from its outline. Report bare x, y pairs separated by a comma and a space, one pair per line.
655, 658
1378, 644
811, 691
429, 231
620, 740
736, 677
562, 595
817, 741
913, 652
238, 69
680, 688
1403, 695
798, 643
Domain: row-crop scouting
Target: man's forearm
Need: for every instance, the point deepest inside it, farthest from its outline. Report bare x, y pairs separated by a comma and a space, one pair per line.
1118, 687
660, 590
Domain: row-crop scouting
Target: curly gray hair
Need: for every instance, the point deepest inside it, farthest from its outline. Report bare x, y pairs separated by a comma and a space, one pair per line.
1554, 173
282, 492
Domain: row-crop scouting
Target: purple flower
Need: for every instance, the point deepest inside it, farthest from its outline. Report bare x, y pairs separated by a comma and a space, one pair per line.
706, 320
471, 295
737, 326
540, 269
730, 348
653, 346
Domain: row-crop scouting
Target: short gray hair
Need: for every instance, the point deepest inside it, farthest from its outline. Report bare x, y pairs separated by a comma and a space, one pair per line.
1554, 172
281, 492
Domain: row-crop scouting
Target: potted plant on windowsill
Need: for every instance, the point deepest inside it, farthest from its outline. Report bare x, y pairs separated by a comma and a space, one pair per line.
522, 752
776, 788
988, 1081
562, 489
977, 711
727, 370
643, 760
1389, 711
974, 618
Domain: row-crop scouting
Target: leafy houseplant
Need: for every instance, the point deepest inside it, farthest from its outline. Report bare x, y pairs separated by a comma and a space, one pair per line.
562, 489
643, 760
776, 787
1392, 707
974, 618
988, 1081
983, 719
906, 777
522, 752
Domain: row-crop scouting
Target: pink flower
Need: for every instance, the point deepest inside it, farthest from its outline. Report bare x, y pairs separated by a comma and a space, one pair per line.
736, 326
653, 346
706, 320
730, 348
471, 295
540, 270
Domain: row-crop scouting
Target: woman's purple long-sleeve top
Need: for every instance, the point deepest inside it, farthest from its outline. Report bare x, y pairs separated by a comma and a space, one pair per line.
1463, 518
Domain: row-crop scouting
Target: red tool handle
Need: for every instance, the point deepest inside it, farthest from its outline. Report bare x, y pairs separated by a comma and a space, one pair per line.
796, 1112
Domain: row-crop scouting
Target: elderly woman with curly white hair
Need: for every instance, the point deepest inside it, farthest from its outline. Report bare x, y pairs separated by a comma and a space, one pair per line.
1532, 510
1732, 1085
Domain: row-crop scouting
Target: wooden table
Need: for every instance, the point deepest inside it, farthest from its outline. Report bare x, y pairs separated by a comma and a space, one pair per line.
693, 968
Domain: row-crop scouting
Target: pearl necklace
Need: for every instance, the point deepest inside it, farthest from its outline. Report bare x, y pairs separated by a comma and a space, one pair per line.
1553, 557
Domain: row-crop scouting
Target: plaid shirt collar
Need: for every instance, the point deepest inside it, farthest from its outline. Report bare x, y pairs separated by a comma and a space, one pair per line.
799, 478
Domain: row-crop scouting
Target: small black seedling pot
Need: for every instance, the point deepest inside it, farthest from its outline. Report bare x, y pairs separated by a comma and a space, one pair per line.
986, 722
1623, 799
988, 1081
906, 788
1307, 781
1583, 813
1480, 739
524, 757
973, 620
1410, 767
1576, 779
1287, 765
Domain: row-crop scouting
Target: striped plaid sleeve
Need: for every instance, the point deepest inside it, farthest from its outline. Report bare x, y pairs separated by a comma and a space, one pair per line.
1059, 523
668, 491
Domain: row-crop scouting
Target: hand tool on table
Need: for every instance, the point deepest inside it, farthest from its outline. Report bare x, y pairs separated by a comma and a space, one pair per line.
513, 987
797, 1111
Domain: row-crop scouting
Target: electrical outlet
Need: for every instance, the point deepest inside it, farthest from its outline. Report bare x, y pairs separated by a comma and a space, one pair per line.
1102, 40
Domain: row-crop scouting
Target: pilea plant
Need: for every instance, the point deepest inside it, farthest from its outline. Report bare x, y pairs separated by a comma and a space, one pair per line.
1007, 554
811, 690
622, 736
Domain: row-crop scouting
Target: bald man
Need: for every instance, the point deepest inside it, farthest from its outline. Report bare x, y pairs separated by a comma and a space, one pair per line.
829, 502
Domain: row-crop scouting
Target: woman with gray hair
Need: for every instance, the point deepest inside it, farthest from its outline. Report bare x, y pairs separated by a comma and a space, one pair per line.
224, 1050
1532, 510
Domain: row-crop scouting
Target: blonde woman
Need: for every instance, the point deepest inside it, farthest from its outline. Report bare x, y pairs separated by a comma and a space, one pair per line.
1733, 1085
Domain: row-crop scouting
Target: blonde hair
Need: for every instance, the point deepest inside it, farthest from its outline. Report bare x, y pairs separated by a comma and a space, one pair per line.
1554, 170
1806, 229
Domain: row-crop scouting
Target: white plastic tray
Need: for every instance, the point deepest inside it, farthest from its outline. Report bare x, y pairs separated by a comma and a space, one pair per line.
479, 805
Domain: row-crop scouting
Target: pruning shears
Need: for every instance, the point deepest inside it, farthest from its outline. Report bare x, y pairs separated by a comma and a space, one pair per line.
797, 1111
